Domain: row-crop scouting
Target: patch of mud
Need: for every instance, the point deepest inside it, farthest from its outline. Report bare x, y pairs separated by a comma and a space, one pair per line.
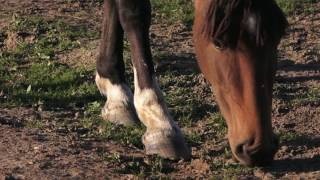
28, 153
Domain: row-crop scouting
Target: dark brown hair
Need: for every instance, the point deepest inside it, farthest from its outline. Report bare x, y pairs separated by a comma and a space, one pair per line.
228, 21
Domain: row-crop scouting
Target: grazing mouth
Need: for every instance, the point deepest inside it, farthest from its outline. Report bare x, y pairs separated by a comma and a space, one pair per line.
251, 154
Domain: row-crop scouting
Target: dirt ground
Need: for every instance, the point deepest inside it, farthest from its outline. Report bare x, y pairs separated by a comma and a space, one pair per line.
53, 153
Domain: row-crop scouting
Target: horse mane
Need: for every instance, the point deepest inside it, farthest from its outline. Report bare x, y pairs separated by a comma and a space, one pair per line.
227, 21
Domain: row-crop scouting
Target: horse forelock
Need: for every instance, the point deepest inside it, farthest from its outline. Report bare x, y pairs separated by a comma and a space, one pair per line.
226, 21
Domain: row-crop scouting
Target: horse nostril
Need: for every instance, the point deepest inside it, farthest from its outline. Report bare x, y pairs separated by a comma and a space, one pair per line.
242, 149
241, 152
250, 153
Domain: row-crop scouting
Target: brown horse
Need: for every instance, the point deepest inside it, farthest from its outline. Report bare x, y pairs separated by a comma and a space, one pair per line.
235, 41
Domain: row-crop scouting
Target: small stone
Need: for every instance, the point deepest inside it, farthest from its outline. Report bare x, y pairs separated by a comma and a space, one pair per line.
45, 165
259, 173
284, 148
263, 175
268, 176
82, 130
62, 130
200, 165
283, 110
76, 115
230, 162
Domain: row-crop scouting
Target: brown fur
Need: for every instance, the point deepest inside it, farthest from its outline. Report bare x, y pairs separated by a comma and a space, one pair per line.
226, 22
242, 73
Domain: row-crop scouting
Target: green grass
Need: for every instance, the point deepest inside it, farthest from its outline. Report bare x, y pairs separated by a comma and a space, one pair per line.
51, 84
173, 10
34, 124
31, 74
296, 94
153, 167
51, 36
312, 94
288, 136
108, 131
232, 171
290, 6
184, 101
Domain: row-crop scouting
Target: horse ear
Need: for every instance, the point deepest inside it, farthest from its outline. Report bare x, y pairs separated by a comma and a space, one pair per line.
277, 22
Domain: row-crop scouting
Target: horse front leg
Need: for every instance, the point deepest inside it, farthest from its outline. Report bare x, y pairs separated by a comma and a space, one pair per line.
163, 136
110, 77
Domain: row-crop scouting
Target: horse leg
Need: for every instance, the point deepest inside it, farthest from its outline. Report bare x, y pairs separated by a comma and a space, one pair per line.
163, 136
110, 78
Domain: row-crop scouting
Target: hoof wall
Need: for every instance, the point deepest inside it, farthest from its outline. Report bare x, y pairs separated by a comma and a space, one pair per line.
169, 144
120, 114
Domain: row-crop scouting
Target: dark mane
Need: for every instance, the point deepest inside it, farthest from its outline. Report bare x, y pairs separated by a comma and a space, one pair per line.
258, 21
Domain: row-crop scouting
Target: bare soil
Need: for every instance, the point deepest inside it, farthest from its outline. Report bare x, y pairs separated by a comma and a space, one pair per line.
54, 153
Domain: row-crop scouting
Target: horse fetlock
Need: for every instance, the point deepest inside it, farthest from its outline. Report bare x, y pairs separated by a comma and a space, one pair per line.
163, 137
116, 91
119, 107
167, 143
151, 110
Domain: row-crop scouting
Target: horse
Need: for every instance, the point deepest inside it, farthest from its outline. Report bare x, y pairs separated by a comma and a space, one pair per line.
236, 48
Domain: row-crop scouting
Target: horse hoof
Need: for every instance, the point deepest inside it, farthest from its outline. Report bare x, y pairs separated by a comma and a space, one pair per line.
169, 144
122, 114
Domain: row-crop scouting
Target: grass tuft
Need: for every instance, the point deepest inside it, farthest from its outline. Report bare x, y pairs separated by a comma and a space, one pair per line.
291, 6
173, 10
